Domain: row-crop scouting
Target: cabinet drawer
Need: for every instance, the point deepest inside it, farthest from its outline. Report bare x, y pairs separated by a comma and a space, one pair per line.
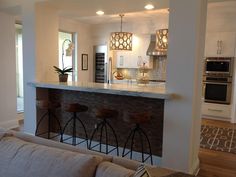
216, 110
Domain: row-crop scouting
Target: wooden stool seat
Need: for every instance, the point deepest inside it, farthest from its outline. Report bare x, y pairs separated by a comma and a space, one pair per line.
105, 113
49, 109
47, 105
139, 118
76, 107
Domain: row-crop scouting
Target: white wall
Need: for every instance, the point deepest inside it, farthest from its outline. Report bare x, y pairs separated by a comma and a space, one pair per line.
221, 17
46, 42
8, 118
84, 45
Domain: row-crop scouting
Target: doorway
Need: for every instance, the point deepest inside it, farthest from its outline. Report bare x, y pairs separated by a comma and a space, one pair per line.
19, 69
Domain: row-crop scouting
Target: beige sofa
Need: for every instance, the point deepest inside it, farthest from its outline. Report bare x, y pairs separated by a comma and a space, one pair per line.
23, 155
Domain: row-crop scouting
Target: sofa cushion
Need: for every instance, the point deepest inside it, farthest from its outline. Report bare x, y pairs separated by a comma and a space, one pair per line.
179, 174
50, 143
108, 169
23, 159
142, 172
125, 162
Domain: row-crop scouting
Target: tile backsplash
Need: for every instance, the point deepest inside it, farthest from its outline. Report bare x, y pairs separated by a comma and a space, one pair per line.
158, 72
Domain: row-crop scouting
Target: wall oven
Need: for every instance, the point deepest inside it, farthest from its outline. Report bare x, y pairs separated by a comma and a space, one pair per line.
217, 89
221, 66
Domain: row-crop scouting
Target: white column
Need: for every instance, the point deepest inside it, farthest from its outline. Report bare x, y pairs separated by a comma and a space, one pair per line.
182, 116
40, 53
29, 68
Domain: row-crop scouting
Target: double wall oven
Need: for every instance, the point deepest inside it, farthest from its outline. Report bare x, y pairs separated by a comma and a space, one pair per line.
217, 80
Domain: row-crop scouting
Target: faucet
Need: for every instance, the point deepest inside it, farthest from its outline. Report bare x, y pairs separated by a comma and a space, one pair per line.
110, 76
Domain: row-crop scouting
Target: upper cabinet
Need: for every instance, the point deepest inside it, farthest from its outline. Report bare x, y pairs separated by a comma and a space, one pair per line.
130, 59
220, 44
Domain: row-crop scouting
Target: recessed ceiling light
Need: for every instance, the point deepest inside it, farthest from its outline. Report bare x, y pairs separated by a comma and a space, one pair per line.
99, 12
149, 6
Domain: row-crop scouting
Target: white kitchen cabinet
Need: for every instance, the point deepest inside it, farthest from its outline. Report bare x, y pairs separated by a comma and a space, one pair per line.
129, 59
220, 111
220, 44
125, 60
122, 59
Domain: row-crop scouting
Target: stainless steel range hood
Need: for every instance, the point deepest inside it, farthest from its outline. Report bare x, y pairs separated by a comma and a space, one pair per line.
152, 51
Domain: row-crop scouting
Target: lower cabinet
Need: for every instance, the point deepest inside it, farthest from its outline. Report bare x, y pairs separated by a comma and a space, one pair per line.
220, 111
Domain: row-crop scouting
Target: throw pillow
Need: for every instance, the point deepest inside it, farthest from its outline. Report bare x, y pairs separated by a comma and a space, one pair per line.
142, 172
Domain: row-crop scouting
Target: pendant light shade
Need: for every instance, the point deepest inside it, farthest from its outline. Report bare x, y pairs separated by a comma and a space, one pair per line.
121, 40
162, 40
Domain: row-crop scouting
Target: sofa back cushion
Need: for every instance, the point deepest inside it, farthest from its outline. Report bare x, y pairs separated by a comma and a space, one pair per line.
23, 159
50, 143
108, 169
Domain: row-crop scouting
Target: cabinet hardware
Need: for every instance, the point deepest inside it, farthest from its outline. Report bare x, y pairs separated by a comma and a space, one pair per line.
216, 110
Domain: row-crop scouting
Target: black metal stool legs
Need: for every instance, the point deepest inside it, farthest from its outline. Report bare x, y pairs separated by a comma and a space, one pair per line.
113, 131
73, 119
132, 134
38, 124
49, 115
149, 145
104, 125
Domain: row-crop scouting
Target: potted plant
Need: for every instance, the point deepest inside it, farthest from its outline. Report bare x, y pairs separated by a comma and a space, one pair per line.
63, 73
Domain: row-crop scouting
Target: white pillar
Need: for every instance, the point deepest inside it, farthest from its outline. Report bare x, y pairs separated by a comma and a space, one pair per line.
40, 53
29, 68
182, 116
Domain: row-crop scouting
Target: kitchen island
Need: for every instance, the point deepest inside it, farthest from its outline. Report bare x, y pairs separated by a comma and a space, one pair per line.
125, 98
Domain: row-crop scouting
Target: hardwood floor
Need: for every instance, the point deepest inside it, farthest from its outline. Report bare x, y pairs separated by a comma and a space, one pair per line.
216, 163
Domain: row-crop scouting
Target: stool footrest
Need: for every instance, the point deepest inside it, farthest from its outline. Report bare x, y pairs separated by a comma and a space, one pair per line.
91, 148
71, 138
58, 134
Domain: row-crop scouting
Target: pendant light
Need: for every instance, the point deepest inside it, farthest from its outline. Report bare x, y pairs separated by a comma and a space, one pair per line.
162, 40
121, 40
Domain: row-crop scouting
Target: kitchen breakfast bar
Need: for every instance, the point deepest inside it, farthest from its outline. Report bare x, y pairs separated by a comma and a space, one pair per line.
126, 99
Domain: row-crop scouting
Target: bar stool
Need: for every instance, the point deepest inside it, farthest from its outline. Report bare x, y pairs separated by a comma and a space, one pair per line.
75, 108
49, 107
138, 119
104, 114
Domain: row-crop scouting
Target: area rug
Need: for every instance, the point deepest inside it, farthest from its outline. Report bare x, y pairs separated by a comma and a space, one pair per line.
219, 139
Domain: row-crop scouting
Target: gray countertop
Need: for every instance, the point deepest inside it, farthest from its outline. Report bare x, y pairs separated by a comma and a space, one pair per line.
156, 91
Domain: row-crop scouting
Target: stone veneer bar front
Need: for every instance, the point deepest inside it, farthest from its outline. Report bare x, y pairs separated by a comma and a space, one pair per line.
124, 98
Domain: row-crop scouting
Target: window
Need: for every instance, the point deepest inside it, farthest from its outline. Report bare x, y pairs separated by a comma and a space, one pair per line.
68, 61
19, 68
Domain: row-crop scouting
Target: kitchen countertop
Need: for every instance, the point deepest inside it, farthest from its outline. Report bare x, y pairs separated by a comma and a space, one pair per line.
156, 91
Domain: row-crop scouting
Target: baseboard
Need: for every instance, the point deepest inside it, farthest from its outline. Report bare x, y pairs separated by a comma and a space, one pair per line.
216, 118
195, 168
9, 124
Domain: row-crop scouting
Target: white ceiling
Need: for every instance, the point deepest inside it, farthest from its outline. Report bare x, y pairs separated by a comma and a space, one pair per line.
84, 10
88, 8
